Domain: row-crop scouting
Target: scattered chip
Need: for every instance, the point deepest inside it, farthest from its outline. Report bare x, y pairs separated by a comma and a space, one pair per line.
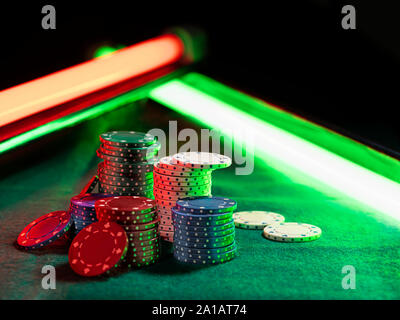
256, 219
292, 232
45, 230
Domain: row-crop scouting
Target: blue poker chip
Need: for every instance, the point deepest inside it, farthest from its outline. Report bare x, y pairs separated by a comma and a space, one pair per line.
79, 224
81, 213
193, 228
196, 243
203, 223
176, 214
212, 258
82, 219
185, 233
206, 205
209, 240
203, 251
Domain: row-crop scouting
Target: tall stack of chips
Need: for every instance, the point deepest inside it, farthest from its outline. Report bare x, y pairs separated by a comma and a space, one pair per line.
127, 168
82, 209
179, 176
204, 230
138, 218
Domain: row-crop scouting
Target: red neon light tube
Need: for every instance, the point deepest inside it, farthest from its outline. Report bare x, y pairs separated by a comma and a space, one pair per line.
36, 102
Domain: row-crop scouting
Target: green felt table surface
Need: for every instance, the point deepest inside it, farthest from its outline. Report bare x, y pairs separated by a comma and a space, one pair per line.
264, 269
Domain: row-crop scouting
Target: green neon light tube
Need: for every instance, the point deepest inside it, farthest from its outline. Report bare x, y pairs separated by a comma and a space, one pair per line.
289, 151
323, 137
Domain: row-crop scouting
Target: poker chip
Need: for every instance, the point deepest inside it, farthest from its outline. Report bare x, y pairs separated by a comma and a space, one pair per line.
256, 219
156, 146
204, 240
201, 160
169, 228
87, 200
200, 228
183, 188
109, 187
205, 179
136, 185
205, 229
134, 166
203, 183
45, 230
183, 216
187, 234
206, 205
121, 160
128, 158
83, 211
143, 193
129, 204
166, 234
136, 180
174, 173
155, 251
142, 226
129, 220
197, 259
145, 243
200, 244
175, 180
138, 217
137, 153
89, 187
166, 163
127, 139
142, 235
125, 172
292, 232
141, 249
174, 197
187, 193
97, 249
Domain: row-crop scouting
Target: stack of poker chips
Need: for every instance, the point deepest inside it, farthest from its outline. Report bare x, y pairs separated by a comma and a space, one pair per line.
179, 176
204, 230
138, 218
127, 168
82, 209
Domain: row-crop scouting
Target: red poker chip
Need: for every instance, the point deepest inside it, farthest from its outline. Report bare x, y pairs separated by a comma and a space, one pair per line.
129, 219
97, 248
45, 230
127, 203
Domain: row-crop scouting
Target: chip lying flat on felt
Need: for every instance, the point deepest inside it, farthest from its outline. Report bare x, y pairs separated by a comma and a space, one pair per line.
256, 219
45, 230
292, 232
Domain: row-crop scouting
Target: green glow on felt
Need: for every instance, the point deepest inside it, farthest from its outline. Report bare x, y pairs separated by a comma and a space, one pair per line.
279, 147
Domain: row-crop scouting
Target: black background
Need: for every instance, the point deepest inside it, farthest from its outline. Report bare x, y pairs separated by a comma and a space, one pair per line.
294, 54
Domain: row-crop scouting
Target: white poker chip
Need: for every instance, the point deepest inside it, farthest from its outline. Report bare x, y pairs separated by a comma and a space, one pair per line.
169, 164
201, 160
292, 232
256, 219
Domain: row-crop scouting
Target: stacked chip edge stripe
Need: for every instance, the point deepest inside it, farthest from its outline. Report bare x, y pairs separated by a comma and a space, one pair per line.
205, 237
139, 220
